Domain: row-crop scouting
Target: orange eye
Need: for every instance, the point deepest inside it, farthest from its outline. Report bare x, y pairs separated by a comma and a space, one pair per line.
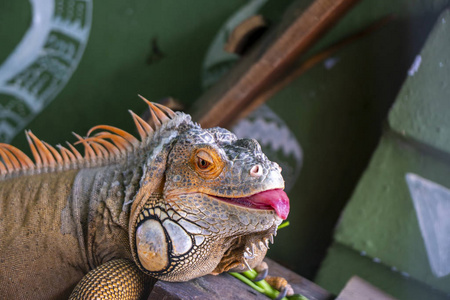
202, 164
207, 163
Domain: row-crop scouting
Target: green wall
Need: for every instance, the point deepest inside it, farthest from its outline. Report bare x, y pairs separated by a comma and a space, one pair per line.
394, 230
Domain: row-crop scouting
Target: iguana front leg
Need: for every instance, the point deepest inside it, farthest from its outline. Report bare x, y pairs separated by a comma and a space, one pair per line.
116, 279
274, 287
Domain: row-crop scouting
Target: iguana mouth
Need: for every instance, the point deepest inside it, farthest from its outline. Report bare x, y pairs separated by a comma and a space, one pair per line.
269, 200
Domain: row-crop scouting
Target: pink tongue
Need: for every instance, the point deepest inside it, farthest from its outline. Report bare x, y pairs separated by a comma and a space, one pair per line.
277, 199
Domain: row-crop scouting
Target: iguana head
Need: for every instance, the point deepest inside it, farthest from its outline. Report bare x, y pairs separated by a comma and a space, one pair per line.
217, 202
203, 201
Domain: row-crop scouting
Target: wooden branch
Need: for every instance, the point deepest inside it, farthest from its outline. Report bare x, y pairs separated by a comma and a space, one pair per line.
298, 30
299, 69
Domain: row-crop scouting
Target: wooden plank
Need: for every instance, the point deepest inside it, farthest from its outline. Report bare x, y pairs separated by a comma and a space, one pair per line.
297, 31
300, 68
300, 284
358, 289
225, 286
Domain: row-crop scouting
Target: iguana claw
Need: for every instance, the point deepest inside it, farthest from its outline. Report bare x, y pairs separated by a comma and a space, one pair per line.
282, 294
263, 271
274, 287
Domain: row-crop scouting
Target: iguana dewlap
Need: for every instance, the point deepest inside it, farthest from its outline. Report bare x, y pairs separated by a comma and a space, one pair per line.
181, 203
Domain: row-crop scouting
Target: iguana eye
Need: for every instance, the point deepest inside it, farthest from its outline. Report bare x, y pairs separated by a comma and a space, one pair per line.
202, 164
207, 163
204, 160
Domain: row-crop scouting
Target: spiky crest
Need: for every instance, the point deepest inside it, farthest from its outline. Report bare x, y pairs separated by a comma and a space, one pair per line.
107, 144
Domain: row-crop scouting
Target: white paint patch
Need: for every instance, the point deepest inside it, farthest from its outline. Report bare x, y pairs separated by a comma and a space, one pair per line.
269, 133
443, 21
432, 205
330, 62
415, 66
441, 64
43, 62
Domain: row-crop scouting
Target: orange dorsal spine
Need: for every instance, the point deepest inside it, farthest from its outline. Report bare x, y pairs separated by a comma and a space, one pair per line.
107, 143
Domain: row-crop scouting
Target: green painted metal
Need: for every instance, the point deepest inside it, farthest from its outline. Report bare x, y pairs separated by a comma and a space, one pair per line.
342, 263
422, 108
337, 112
15, 16
380, 222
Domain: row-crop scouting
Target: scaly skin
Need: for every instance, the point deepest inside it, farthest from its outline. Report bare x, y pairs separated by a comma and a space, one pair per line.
173, 208
55, 227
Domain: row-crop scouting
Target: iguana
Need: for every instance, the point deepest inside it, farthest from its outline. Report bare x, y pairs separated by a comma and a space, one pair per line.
180, 203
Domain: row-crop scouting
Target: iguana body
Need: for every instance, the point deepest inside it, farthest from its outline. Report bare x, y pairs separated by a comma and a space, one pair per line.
181, 203
57, 226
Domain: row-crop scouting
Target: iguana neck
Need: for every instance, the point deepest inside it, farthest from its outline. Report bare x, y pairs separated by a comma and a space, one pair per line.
100, 198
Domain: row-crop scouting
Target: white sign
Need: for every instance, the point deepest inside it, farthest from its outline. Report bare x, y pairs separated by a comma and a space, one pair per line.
43, 62
432, 204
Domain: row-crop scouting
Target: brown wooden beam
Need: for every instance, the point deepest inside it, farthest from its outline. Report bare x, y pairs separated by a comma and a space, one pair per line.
300, 68
225, 286
297, 31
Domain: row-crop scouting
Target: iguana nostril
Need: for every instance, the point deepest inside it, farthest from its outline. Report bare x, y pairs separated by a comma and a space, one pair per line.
256, 171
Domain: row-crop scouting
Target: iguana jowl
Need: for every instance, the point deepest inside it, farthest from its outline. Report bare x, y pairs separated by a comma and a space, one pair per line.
181, 203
